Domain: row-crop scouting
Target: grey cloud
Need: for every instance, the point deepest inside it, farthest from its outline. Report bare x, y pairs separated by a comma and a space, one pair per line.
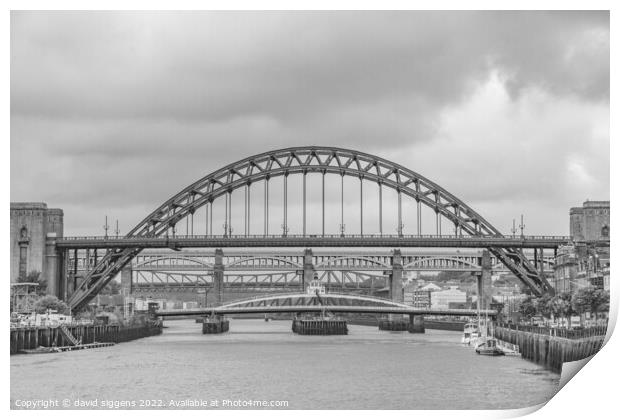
222, 65
119, 111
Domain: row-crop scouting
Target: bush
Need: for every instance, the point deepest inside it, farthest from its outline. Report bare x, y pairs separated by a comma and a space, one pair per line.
50, 302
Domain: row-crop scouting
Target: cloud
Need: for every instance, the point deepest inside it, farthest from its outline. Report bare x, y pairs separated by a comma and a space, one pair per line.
120, 110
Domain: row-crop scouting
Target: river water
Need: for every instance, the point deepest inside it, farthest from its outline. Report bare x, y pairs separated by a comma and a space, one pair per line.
256, 360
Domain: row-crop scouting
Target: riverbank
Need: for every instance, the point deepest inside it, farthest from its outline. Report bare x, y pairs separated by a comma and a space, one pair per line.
30, 338
550, 351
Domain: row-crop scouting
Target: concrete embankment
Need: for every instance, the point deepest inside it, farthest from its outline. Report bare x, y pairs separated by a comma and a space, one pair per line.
549, 350
29, 338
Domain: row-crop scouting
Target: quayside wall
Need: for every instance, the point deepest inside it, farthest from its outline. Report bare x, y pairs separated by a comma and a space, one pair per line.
29, 338
551, 348
429, 324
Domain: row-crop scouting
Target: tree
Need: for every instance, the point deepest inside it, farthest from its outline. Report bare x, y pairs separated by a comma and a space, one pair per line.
542, 305
591, 299
583, 300
50, 302
601, 302
559, 306
527, 308
35, 277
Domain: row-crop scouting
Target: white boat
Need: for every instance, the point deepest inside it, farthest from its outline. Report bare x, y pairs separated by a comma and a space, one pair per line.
489, 347
471, 332
509, 349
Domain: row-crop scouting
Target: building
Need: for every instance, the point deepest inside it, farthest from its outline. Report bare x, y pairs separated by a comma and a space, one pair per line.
431, 287
578, 266
590, 222
565, 270
582, 264
606, 278
190, 305
34, 228
448, 298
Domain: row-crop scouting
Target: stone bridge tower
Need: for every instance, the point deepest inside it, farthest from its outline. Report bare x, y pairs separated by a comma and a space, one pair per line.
34, 229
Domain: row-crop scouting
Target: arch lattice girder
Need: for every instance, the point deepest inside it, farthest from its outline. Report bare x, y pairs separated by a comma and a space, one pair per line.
304, 160
308, 160
329, 299
434, 262
155, 263
360, 263
275, 262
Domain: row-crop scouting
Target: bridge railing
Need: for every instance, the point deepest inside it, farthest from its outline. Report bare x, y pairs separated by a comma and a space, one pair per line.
300, 236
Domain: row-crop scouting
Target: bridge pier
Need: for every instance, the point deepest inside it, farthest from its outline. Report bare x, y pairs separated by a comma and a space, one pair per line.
127, 280
215, 325
416, 324
396, 277
218, 276
396, 282
308, 275
484, 280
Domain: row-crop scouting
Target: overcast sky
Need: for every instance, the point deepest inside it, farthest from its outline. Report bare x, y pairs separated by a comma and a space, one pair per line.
113, 113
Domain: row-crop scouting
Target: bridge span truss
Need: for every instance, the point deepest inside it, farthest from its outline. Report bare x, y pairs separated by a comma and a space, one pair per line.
435, 210
304, 302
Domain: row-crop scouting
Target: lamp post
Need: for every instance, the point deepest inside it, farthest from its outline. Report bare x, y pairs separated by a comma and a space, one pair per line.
106, 227
522, 226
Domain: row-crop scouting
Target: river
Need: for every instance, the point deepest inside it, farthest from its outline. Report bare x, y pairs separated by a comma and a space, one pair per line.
265, 361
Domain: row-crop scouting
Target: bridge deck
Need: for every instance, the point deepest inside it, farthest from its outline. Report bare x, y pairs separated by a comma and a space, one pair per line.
300, 241
318, 308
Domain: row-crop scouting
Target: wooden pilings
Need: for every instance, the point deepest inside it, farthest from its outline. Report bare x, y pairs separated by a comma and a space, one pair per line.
215, 325
28, 338
414, 325
320, 326
550, 351
393, 324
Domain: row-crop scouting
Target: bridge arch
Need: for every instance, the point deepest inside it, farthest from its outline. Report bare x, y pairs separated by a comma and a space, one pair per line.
328, 299
333, 262
420, 262
304, 160
286, 264
151, 262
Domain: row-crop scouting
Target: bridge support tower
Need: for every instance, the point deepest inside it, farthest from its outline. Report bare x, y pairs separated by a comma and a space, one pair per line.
396, 283
484, 280
416, 324
308, 275
127, 280
396, 277
218, 276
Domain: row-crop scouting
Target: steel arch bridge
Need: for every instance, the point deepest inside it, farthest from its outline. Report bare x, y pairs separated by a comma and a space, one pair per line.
263, 270
303, 161
331, 302
372, 260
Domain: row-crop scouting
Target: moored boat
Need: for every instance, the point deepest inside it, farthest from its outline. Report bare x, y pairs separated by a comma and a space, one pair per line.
489, 347
471, 332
